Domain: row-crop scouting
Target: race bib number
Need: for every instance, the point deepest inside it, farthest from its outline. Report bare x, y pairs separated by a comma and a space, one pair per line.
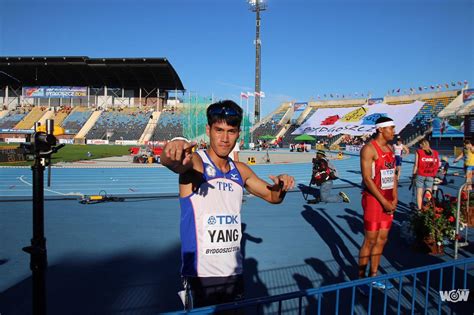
388, 178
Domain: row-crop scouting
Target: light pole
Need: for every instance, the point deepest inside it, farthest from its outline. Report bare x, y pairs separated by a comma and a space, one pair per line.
257, 6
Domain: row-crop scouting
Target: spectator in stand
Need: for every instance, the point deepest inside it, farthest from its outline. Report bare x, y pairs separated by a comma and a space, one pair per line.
424, 170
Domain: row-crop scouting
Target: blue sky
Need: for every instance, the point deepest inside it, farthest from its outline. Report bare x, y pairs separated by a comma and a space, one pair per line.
309, 48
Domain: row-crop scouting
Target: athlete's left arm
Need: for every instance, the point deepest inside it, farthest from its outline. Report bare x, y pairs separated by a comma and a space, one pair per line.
256, 186
405, 148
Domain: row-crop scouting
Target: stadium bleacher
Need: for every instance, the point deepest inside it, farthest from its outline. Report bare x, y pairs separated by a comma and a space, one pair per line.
169, 125
76, 119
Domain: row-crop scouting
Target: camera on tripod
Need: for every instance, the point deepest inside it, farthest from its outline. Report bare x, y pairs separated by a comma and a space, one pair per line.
41, 144
39, 148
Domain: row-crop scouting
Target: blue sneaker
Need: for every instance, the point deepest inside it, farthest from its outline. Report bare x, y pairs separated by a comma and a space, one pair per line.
382, 285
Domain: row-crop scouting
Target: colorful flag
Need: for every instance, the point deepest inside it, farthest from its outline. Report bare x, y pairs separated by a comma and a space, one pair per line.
243, 95
250, 94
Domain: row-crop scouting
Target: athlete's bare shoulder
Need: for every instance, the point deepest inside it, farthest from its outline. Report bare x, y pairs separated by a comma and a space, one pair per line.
368, 151
245, 171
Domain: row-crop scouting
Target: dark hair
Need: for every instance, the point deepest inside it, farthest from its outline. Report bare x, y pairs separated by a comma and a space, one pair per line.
224, 111
381, 120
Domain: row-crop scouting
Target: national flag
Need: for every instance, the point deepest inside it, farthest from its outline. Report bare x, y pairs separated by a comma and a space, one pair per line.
256, 93
420, 88
432, 87
465, 82
453, 83
243, 95
459, 83
331, 95
398, 91
250, 94
262, 94
446, 85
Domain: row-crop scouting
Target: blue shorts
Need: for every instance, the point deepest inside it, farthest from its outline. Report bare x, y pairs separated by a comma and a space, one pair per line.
398, 160
469, 168
424, 182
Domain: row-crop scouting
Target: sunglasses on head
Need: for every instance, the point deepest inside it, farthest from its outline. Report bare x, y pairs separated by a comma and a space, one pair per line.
223, 111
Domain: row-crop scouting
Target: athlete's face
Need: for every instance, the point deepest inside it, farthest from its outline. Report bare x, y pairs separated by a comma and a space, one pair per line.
388, 133
222, 137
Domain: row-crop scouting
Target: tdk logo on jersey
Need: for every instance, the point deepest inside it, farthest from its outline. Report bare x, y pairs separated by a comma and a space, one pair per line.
211, 220
223, 219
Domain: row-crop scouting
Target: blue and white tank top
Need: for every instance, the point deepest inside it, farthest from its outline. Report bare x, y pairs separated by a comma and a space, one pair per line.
210, 223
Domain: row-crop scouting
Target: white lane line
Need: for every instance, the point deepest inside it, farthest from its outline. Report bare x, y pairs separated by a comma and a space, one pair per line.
50, 190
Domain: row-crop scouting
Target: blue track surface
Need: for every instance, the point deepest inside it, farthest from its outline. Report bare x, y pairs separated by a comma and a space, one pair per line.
16, 182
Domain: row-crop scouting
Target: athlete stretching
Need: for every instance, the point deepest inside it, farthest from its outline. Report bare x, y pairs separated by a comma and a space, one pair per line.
210, 188
379, 197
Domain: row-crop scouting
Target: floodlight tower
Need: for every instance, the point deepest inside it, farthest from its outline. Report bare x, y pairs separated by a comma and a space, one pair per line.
257, 6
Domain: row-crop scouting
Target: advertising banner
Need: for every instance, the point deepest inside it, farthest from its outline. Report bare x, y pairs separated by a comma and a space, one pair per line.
299, 107
97, 141
372, 101
55, 91
357, 121
468, 95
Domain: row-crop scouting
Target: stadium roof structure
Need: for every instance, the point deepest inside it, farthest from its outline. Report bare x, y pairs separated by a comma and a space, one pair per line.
130, 73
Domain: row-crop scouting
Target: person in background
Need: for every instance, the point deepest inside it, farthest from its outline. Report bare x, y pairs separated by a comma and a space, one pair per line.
468, 155
425, 168
324, 174
399, 148
234, 154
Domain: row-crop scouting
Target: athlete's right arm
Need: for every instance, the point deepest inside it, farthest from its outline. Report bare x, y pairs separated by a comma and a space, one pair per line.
177, 155
367, 157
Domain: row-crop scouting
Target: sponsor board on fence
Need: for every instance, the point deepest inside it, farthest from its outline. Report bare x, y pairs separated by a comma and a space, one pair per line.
156, 143
97, 141
66, 141
353, 148
15, 140
11, 130
126, 142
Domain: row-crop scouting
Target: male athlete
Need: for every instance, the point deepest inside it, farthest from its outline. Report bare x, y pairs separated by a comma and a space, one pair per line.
210, 188
379, 198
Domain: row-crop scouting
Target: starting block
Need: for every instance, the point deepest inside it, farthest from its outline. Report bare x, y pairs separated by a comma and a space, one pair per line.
251, 160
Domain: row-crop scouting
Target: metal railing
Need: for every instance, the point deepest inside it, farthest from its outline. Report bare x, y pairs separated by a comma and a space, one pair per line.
416, 290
